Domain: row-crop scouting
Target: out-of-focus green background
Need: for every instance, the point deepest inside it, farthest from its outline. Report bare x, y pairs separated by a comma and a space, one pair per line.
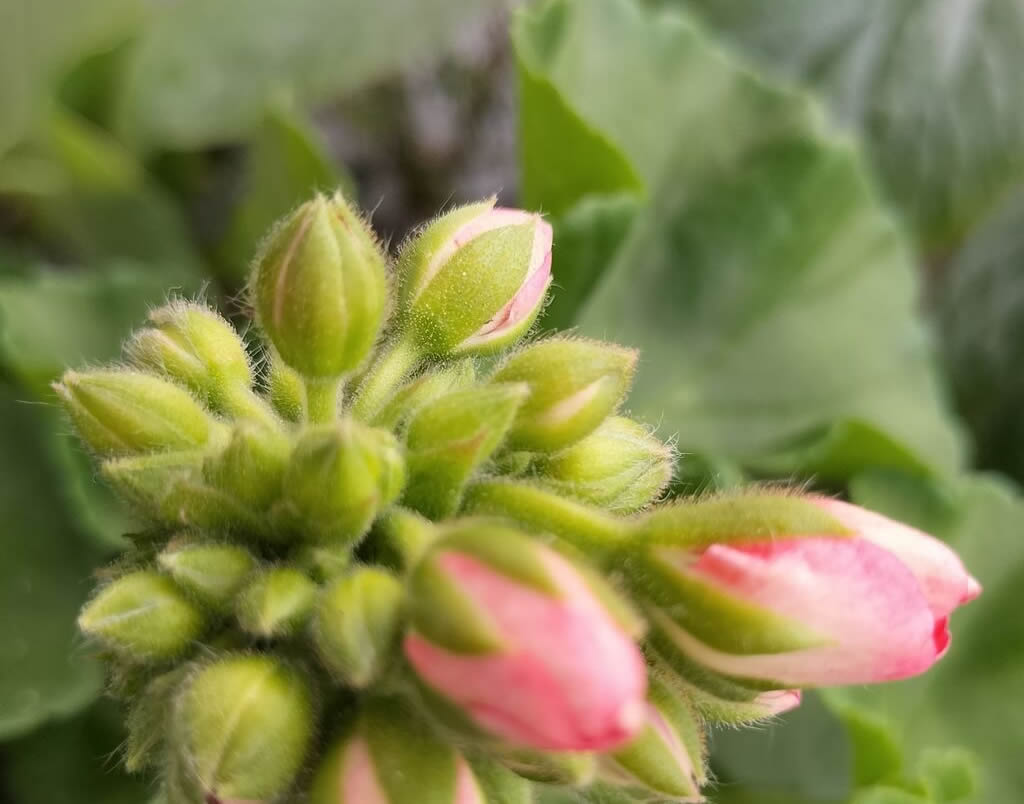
808, 215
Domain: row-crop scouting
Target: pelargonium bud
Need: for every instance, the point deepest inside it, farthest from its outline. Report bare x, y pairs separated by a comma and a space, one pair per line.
245, 724
450, 438
667, 757
424, 389
357, 624
211, 572
620, 467
512, 634
575, 384
194, 345
320, 288
142, 616
781, 589
391, 757
340, 477
126, 412
474, 280
277, 603
563, 768
251, 465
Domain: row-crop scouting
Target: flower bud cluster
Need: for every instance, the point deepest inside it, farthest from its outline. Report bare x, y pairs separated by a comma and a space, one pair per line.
376, 568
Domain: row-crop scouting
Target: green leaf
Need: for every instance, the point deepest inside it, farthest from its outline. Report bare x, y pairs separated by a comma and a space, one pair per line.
203, 70
45, 671
39, 39
75, 762
969, 698
767, 289
286, 164
981, 315
931, 86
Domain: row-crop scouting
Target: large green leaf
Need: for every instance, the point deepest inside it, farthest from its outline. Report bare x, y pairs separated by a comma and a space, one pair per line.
204, 69
41, 38
45, 671
932, 84
770, 294
971, 698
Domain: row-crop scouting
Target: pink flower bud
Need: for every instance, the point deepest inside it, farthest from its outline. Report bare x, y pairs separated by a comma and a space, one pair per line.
854, 599
943, 577
517, 638
474, 279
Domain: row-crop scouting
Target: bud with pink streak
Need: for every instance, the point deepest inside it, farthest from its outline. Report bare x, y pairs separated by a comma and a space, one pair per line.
474, 280
522, 645
797, 591
390, 756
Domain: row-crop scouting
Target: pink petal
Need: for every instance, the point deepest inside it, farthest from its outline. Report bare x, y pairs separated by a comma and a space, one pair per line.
568, 678
467, 791
358, 783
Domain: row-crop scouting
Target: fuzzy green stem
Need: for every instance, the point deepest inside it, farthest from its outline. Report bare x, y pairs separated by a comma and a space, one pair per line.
592, 531
395, 363
322, 399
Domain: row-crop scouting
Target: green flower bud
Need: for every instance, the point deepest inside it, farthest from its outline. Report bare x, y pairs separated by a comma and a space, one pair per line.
667, 758
251, 466
499, 784
422, 390
575, 385
286, 390
212, 573
620, 467
392, 757
278, 603
125, 412
146, 724
339, 478
245, 724
324, 561
401, 536
571, 768
320, 288
192, 344
357, 624
143, 617
450, 438
474, 279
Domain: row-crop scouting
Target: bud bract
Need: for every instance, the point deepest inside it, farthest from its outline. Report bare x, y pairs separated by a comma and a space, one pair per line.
277, 603
357, 624
391, 757
474, 280
340, 477
142, 616
194, 345
320, 288
251, 465
620, 467
125, 412
798, 603
667, 757
512, 634
212, 573
245, 723
575, 384
450, 438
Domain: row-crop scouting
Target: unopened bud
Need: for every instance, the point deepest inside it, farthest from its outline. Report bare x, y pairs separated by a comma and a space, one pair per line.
575, 385
391, 757
324, 561
667, 757
474, 280
450, 438
251, 466
320, 288
424, 389
340, 477
142, 616
512, 634
620, 467
126, 412
192, 344
277, 603
246, 723
212, 573
357, 624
